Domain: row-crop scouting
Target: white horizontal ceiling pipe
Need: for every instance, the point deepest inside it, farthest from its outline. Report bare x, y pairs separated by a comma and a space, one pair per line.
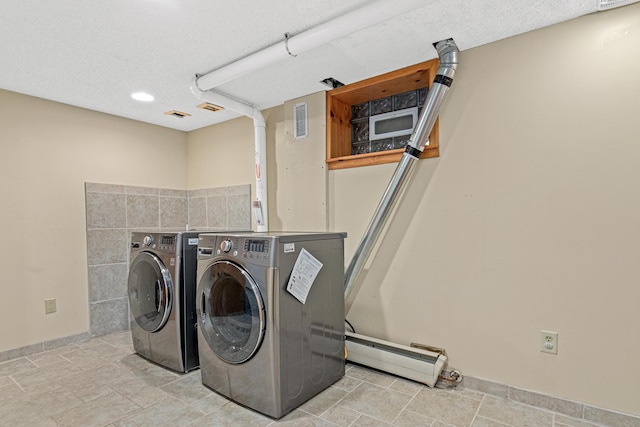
369, 14
260, 208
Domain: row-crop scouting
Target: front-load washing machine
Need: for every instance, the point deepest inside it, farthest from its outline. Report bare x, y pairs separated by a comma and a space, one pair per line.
161, 285
270, 310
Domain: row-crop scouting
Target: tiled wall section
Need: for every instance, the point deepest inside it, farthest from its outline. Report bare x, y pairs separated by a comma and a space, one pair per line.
220, 209
114, 211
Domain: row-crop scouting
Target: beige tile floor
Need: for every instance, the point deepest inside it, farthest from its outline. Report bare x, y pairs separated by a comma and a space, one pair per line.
102, 382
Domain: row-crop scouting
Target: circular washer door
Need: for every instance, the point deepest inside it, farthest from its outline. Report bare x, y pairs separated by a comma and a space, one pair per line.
230, 312
150, 291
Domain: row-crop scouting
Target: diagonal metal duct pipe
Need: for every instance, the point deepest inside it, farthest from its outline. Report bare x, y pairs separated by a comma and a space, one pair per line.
448, 54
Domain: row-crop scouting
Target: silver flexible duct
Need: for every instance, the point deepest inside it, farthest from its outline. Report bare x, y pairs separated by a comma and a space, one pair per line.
448, 55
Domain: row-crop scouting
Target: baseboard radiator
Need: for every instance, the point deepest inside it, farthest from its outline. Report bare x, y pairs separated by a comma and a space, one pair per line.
408, 362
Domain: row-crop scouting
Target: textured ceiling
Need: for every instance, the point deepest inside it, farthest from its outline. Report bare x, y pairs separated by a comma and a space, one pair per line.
93, 54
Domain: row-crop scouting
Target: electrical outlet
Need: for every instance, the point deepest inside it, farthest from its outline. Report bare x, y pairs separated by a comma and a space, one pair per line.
549, 342
49, 306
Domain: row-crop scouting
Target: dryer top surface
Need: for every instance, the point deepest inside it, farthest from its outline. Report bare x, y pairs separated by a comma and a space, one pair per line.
283, 236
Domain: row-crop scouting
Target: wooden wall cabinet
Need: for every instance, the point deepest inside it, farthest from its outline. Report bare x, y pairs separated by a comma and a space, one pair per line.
340, 100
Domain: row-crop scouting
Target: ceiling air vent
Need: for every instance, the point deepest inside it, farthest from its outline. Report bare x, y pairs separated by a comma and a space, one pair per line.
178, 114
300, 128
332, 83
610, 4
210, 107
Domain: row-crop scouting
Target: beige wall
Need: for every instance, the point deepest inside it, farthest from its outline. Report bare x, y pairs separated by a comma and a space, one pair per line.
299, 179
296, 172
221, 155
49, 150
224, 155
528, 221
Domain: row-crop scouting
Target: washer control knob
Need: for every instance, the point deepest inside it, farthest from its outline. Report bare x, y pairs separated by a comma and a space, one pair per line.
226, 245
147, 241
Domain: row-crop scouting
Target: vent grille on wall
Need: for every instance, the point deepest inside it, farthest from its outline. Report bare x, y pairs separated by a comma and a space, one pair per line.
610, 4
300, 128
210, 107
178, 114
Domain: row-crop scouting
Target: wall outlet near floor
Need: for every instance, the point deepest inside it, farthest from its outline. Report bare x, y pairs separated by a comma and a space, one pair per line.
50, 306
549, 342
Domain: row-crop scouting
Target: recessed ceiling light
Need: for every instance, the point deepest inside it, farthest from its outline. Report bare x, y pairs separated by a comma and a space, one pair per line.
142, 96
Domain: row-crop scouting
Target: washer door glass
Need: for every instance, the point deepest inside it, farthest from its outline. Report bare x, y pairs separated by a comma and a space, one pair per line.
230, 311
150, 291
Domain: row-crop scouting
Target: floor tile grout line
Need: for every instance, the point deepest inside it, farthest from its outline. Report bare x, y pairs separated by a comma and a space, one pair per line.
319, 417
535, 408
17, 384
64, 358
362, 413
127, 414
335, 404
477, 410
378, 419
404, 408
95, 343
28, 360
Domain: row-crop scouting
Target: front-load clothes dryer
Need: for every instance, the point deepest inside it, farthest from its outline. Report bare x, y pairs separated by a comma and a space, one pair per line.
270, 310
161, 286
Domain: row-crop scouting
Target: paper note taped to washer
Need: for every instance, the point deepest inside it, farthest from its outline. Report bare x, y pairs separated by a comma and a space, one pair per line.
304, 273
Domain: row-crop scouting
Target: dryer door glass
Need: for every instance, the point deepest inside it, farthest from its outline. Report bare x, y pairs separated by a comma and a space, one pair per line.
150, 291
230, 311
